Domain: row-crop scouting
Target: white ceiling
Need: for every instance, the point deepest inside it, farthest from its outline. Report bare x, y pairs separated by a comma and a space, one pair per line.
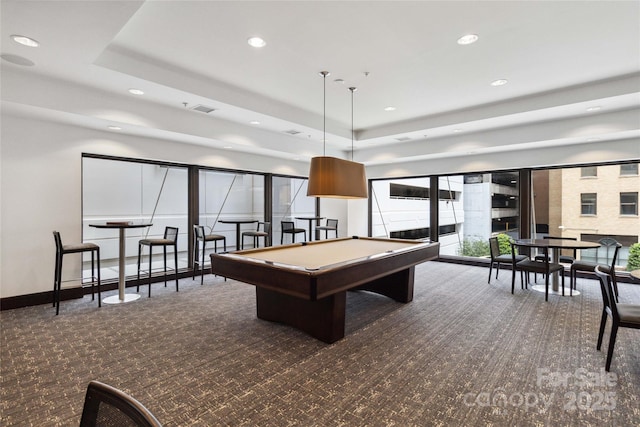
559, 58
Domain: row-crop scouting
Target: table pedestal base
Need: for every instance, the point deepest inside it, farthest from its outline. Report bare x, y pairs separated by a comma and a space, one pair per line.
115, 299
540, 288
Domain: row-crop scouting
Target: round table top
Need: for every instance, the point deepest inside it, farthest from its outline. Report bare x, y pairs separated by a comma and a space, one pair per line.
310, 217
556, 243
122, 224
238, 220
635, 274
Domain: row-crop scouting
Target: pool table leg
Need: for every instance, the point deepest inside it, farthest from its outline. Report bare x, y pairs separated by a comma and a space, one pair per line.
322, 319
397, 286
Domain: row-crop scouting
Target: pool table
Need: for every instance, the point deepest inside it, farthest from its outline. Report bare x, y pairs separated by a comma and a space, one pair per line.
304, 285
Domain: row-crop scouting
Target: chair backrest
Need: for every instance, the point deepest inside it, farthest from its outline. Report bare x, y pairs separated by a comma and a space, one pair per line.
612, 266
608, 296
494, 247
332, 223
107, 406
199, 232
266, 226
565, 238
608, 243
56, 237
287, 225
171, 233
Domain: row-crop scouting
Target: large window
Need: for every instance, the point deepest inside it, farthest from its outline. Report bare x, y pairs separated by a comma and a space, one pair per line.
588, 203
115, 190
607, 207
289, 201
230, 196
400, 208
589, 171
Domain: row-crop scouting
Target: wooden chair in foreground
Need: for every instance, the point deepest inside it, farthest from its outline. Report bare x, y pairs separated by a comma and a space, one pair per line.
622, 315
107, 406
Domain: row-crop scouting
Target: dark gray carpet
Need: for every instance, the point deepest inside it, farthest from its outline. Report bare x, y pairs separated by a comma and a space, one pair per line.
463, 353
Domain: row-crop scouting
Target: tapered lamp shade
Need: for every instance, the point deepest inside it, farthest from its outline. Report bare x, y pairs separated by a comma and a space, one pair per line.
336, 178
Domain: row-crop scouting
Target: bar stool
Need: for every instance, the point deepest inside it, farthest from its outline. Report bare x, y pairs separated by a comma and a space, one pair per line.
332, 225
265, 232
62, 250
288, 227
198, 237
170, 239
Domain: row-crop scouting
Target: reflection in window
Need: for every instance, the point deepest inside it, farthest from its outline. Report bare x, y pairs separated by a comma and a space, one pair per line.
629, 203
588, 203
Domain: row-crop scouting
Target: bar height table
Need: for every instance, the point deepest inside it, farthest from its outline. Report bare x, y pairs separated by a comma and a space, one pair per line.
310, 219
555, 246
238, 223
121, 226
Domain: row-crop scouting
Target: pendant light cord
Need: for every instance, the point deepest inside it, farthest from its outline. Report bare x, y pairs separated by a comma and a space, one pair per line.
352, 89
324, 75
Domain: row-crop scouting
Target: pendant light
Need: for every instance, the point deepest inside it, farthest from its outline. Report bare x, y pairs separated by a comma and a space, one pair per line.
333, 177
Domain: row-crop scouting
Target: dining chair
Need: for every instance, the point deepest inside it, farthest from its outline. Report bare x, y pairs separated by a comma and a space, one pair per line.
332, 225
532, 266
170, 239
105, 405
262, 230
589, 266
288, 227
200, 240
62, 250
497, 258
622, 315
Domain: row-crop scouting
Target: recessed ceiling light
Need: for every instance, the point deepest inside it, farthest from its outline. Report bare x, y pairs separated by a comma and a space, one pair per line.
24, 40
457, 130
112, 127
593, 139
256, 42
254, 122
592, 109
136, 91
499, 82
389, 108
468, 39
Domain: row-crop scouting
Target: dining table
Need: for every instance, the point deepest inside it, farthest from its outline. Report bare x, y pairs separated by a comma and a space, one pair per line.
310, 219
238, 222
635, 274
122, 297
554, 247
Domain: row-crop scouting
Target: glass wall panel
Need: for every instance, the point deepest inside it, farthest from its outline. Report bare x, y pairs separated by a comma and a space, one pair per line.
229, 196
400, 208
114, 190
290, 200
591, 205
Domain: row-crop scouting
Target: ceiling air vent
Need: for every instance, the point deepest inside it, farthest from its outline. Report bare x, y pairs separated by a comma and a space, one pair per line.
203, 108
403, 139
292, 132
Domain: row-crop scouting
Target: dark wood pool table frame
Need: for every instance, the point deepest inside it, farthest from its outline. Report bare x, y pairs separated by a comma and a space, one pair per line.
314, 300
